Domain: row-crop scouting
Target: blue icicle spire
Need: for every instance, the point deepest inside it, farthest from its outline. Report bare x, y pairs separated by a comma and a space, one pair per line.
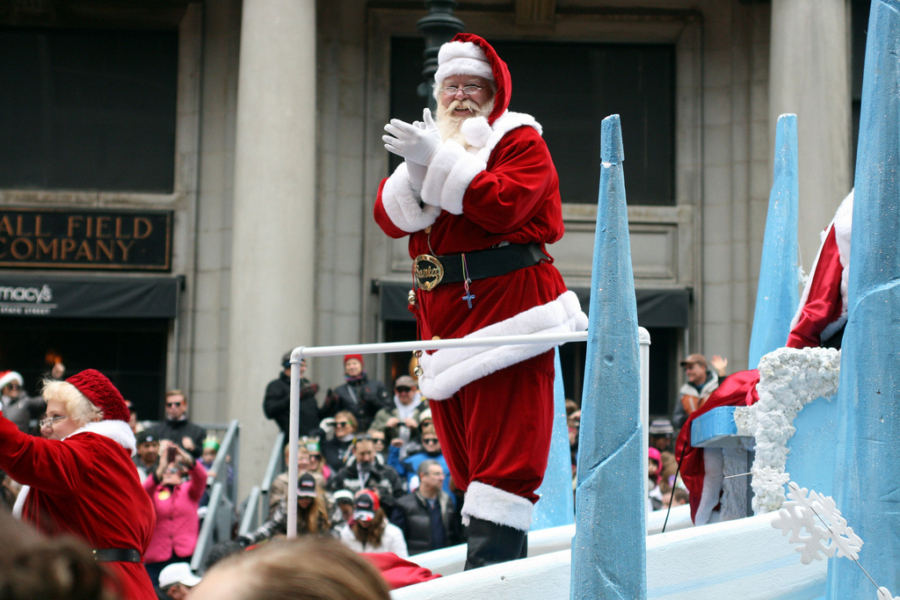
866, 487
777, 294
609, 556
556, 506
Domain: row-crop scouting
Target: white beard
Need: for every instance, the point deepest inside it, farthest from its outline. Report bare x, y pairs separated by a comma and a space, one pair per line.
450, 125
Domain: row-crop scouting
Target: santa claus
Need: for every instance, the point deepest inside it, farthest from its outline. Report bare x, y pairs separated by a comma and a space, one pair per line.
81, 481
478, 196
819, 322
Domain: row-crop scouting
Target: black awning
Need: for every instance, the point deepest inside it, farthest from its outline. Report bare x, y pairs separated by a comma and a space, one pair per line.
88, 297
656, 308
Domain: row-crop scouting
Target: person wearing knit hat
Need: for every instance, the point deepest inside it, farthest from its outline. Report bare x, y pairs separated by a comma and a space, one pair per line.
15, 403
478, 196
80, 479
359, 395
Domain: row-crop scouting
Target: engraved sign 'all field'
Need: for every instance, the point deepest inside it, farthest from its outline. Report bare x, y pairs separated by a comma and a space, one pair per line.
86, 239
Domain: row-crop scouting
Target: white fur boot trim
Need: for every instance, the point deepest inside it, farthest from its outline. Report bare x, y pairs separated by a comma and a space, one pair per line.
493, 504
714, 465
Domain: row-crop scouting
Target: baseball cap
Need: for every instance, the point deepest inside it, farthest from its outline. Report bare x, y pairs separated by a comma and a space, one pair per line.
177, 573
405, 381
343, 496
694, 359
306, 486
661, 427
365, 506
143, 437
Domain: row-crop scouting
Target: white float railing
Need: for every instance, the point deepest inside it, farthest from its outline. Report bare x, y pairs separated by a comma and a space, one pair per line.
302, 352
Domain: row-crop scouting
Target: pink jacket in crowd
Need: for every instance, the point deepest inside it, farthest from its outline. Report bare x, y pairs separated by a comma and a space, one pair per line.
177, 524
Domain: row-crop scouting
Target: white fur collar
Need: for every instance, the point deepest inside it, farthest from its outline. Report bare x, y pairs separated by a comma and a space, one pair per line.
117, 431
483, 137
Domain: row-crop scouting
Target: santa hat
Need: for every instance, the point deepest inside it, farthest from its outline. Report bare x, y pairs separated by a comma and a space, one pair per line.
7, 377
358, 357
95, 386
469, 54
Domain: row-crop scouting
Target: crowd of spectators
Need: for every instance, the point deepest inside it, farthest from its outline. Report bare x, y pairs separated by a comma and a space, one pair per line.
370, 473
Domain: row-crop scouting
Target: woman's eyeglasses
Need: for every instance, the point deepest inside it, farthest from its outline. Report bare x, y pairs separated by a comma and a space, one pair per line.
341, 423
48, 422
430, 441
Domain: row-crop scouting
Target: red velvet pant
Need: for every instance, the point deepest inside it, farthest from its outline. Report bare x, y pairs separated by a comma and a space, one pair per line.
497, 430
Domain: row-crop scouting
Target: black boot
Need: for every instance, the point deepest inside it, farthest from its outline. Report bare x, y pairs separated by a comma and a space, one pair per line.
490, 543
524, 553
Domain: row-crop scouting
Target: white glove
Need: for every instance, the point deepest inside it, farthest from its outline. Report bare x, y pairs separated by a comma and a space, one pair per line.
411, 142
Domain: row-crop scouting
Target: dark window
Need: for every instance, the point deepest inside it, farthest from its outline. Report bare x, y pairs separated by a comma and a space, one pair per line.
88, 110
569, 88
859, 24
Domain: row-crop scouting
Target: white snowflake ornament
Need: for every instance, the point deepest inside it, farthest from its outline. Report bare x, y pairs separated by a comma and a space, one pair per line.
827, 531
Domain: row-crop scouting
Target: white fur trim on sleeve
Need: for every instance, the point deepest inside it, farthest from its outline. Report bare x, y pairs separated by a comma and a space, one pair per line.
118, 431
447, 370
449, 174
504, 124
402, 206
842, 223
497, 506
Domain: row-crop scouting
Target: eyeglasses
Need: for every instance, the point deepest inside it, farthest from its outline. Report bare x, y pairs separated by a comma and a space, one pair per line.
173, 470
49, 421
15, 386
315, 457
173, 404
341, 423
430, 441
402, 389
467, 90
377, 440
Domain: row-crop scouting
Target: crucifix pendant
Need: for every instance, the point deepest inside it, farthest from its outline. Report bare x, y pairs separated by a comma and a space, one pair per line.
468, 298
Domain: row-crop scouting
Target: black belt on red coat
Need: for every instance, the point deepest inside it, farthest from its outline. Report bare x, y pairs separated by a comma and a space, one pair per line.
117, 555
431, 270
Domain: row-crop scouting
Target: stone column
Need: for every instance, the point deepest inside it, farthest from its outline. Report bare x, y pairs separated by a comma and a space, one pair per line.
809, 75
273, 245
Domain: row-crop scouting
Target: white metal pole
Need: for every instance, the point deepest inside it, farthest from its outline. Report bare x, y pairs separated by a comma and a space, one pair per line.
644, 336
293, 435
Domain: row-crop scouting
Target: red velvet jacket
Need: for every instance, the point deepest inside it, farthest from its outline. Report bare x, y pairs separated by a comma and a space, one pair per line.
87, 486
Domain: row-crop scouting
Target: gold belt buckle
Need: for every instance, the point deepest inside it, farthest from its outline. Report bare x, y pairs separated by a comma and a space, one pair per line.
429, 271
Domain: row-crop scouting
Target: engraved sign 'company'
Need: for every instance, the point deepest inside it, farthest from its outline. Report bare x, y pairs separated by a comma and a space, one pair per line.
85, 239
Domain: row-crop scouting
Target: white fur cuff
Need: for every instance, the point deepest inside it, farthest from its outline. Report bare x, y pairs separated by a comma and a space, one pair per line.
446, 371
497, 506
449, 174
402, 206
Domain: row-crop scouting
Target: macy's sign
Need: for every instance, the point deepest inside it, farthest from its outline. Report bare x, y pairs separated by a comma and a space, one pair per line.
26, 294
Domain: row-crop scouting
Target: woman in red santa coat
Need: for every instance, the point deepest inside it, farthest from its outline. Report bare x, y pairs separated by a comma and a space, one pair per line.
81, 479
478, 194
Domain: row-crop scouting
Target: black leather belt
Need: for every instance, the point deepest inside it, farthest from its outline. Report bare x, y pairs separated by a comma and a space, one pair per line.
432, 270
117, 555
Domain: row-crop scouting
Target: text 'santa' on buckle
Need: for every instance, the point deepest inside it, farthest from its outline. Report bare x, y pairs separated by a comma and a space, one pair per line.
429, 271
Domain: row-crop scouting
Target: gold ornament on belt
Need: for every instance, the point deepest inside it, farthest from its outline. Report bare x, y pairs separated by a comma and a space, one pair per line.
428, 271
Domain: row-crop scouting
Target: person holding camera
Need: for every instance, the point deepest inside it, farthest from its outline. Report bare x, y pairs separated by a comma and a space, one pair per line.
175, 502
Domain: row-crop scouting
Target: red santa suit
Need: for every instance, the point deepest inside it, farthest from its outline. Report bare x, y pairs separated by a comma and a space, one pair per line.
821, 315
487, 401
86, 485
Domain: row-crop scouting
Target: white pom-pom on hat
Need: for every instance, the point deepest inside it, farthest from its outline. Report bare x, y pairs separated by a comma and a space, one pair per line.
462, 58
477, 131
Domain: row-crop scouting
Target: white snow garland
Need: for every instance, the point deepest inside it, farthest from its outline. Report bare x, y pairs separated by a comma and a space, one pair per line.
788, 379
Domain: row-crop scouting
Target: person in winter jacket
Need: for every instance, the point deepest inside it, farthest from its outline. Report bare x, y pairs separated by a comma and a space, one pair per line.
370, 531
366, 473
401, 421
177, 427
360, 395
175, 503
80, 477
427, 517
17, 406
277, 402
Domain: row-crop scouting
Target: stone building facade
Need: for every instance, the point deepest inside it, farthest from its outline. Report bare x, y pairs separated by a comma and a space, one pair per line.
276, 156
